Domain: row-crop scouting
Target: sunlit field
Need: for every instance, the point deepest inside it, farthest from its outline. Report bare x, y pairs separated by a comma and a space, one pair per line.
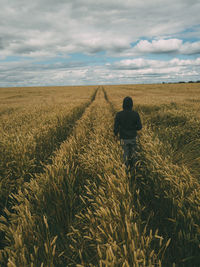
66, 198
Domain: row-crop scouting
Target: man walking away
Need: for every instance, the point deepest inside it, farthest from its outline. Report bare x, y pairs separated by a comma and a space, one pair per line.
127, 123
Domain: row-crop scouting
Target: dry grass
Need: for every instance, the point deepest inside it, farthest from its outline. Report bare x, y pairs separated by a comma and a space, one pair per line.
84, 210
29, 137
170, 163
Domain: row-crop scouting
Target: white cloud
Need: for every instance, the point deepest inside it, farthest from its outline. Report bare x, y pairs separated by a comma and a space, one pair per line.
162, 46
91, 26
144, 69
138, 63
168, 46
190, 48
124, 71
141, 63
159, 46
44, 29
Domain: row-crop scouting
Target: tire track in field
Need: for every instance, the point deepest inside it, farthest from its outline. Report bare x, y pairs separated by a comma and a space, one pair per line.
107, 230
51, 203
109, 102
170, 196
70, 180
68, 187
179, 127
91, 166
47, 144
159, 184
62, 133
170, 199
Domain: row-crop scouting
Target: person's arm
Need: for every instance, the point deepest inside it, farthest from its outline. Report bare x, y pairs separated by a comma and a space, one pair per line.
139, 124
116, 125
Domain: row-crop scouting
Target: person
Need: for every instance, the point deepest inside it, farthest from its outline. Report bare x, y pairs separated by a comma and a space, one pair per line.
126, 124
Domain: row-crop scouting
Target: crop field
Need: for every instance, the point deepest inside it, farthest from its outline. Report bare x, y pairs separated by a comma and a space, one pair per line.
66, 197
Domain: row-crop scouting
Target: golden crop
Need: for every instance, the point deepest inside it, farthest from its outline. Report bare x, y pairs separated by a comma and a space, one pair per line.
66, 199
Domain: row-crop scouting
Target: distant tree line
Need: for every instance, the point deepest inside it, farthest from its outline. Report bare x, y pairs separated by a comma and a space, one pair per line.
183, 82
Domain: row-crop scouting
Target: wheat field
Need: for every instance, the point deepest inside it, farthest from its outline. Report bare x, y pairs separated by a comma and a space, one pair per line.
66, 197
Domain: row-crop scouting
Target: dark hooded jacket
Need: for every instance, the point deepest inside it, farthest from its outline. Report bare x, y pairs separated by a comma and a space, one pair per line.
127, 122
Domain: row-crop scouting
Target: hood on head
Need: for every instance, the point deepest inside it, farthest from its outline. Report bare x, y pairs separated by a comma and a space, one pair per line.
127, 103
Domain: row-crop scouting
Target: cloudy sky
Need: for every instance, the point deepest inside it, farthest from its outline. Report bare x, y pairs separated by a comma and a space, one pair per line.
81, 42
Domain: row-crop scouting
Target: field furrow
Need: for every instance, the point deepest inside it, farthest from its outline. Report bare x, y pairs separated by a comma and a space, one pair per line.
24, 152
79, 206
169, 189
80, 210
179, 127
109, 230
171, 195
47, 198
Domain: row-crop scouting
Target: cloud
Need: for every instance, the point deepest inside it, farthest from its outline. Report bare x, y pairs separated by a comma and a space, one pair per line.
142, 69
132, 64
44, 28
159, 46
40, 31
141, 63
168, 46
76, 73
190, 48
163, 46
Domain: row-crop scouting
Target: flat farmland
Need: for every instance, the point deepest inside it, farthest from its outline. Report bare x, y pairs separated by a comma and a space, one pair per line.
66, 198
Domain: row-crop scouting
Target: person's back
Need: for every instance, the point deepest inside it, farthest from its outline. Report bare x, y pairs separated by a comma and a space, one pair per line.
127, 123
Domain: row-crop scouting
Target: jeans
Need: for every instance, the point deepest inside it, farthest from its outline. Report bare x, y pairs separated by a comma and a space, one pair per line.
129, 149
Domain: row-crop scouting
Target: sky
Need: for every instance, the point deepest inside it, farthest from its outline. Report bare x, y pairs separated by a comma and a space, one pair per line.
89, 42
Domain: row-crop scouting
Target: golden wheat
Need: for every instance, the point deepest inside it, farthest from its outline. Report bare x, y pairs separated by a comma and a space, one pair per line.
84, 210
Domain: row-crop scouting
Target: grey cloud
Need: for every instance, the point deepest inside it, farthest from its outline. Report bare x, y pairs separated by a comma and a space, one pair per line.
147, 69
43, 29
25, 49
162, 46
128, 67
190, 48
1, 44
140, 63
69, 73
79, 21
